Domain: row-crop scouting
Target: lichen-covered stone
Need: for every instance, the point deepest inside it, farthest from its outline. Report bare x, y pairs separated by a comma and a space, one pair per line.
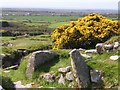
69, 76
80, 68
64, 70
48, 77
38, 58
61, 80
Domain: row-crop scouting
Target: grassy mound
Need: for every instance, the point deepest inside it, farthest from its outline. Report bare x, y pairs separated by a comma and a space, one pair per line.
85, 33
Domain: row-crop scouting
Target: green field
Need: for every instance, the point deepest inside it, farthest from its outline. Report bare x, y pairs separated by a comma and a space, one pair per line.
36, 24
43, 18
31, 43
55, 25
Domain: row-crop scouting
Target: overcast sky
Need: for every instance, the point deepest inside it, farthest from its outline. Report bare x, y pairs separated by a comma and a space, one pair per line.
61, 4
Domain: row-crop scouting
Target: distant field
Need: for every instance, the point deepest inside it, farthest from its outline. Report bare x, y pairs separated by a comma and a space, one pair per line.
55, 25
7, 38
36, 24
42, 18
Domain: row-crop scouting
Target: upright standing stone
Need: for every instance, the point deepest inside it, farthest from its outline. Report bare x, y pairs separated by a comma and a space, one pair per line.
80, 68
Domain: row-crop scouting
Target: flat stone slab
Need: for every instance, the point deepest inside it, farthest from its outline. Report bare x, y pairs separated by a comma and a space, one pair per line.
38, 58
115, 57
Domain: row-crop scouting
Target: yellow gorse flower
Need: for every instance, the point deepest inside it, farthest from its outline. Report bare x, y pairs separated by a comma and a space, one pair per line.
84, 32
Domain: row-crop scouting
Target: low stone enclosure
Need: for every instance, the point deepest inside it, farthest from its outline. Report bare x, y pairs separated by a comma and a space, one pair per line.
15, 58
80, 73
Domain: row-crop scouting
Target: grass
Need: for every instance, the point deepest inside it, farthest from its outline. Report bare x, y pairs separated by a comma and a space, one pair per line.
16, 75
108, 67
99, 62
54, 65
35, 25
113, 39
31, 43
50, 67
6, 50
55, 25
40, 18
28, 44
6, 38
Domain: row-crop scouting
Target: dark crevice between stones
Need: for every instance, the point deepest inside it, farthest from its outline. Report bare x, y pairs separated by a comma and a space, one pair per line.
7, 83
14, 58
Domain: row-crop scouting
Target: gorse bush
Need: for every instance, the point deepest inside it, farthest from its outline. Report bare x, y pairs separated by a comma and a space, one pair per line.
85, 32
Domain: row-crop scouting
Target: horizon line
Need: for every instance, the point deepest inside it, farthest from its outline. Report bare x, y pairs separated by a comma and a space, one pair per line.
60, 8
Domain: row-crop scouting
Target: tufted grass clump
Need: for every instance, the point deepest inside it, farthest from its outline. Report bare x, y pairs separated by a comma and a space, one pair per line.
85, 32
